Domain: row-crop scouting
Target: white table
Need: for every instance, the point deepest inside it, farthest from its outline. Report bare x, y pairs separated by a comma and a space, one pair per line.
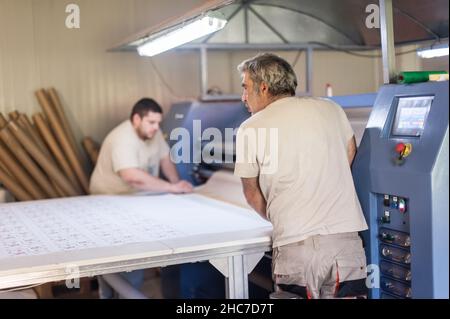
96, 235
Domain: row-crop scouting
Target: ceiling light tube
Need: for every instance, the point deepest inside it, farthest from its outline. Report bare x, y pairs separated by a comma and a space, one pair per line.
433, 52
188, 32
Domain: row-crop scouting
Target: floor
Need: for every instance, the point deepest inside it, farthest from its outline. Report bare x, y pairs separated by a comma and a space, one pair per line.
260, 285
89, 288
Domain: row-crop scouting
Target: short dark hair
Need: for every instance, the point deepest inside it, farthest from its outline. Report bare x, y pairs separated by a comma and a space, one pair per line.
145, 105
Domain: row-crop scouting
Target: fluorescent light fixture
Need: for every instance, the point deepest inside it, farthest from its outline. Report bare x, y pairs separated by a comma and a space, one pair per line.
188, 32
433, 52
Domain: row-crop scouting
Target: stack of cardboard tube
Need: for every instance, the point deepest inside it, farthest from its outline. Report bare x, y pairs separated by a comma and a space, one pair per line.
39, 158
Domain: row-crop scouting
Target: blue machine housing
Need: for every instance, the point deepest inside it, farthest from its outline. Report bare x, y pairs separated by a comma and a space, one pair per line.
220, 115
407, 244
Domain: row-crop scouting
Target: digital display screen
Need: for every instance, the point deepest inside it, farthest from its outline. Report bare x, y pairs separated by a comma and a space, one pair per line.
411, 115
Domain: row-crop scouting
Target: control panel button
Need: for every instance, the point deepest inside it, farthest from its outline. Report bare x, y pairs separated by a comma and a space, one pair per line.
386, 252
403, 150
407, 241
408, 275
387, 237
394, 254
395, 271
389, 285
386, 201
386, 218
399, 148
408, 293
395, 237
397, 288
394, 203
402, 205
407, 258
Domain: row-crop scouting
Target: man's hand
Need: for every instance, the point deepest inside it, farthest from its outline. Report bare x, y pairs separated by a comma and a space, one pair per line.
254, 196
181, 187
143, 181
169, 169
351, 150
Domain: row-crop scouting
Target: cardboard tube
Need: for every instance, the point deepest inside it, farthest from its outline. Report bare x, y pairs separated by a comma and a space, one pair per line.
3, 167
63, 140
13, 115
30, 124
27, 162
91, 149
52, 171
18, 192
21, 175
59, 190
21, 123
25, 124
50, 140
3, 121
57, 106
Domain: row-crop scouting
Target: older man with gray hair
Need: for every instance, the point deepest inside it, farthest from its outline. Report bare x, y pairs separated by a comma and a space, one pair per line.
310, 197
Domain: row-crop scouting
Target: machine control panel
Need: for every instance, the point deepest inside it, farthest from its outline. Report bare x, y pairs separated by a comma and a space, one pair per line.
401, 177
394, 243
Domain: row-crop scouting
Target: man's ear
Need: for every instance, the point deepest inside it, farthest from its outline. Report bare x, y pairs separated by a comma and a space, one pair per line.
264, 88
135, 119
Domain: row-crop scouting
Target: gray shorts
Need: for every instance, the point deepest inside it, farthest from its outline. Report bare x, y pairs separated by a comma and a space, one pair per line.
322, 266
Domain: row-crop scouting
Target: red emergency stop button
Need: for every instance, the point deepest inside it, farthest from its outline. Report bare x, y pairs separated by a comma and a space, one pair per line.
400, 147
403, 150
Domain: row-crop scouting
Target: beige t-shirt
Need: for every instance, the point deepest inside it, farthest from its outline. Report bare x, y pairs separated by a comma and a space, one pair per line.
303, 168
121, 149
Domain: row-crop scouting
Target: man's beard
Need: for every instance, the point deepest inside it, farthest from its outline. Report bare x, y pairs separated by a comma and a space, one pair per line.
144, 137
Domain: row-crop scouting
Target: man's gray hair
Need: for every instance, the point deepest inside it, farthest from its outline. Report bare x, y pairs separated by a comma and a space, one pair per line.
276, 72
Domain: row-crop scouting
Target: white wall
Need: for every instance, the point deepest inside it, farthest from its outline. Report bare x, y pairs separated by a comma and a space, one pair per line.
98, 88
347, 74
